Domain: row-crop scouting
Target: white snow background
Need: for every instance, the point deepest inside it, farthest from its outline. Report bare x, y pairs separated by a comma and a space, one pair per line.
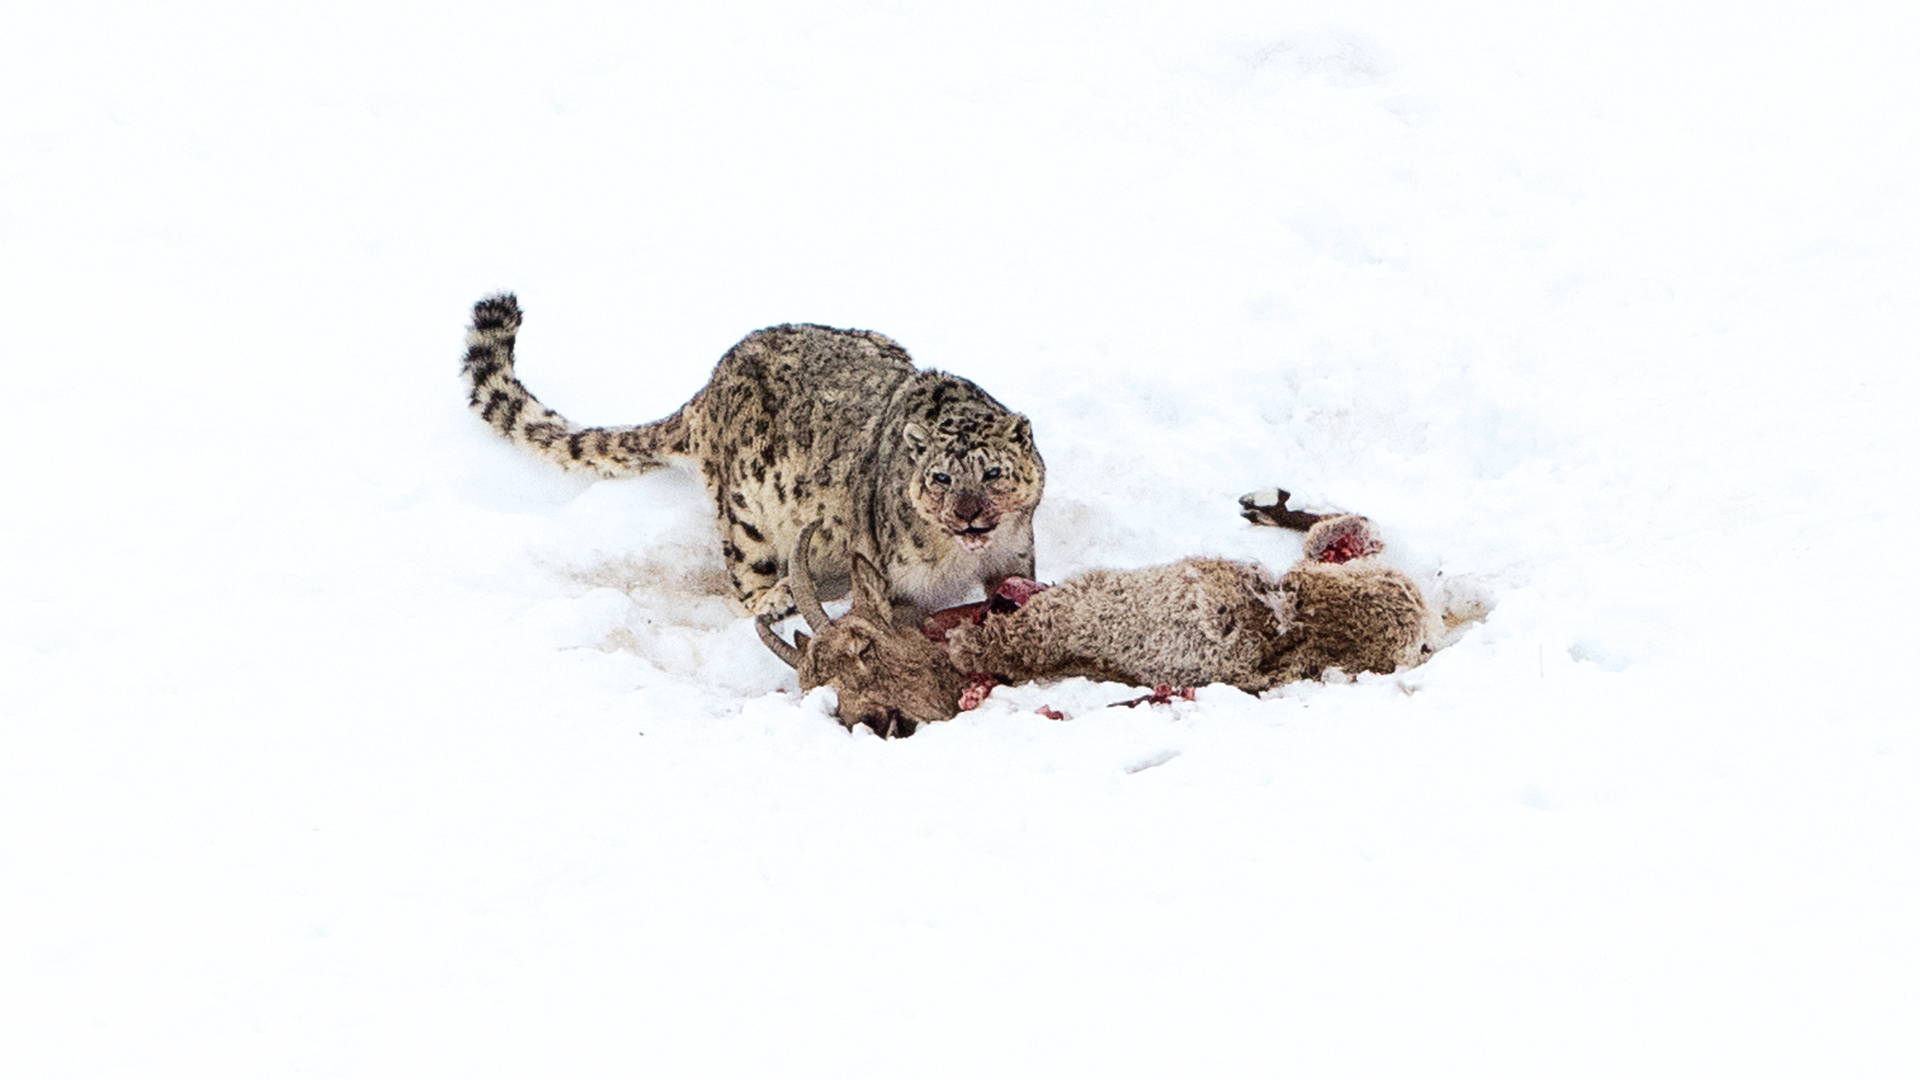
340, 738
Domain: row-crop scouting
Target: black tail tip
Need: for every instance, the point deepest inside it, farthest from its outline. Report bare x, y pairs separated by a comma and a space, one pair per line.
501, 311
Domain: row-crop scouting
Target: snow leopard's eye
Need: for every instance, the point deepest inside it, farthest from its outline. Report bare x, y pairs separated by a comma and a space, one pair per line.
991, 474
942, 479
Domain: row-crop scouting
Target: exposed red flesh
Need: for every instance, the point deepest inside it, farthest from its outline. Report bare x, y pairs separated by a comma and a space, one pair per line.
1352, 541
977, 690
1012, 595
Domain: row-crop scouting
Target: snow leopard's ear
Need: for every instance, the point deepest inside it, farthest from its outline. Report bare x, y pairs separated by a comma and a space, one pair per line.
1020, 432
915, 435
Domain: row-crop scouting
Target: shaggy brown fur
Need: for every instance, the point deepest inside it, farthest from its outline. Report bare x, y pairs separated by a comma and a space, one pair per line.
1202, 621
1189, 623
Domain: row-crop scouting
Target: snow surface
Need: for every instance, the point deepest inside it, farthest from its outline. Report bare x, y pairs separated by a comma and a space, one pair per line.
338, 738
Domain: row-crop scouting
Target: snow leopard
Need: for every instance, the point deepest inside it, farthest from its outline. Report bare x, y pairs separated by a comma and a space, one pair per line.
921, 472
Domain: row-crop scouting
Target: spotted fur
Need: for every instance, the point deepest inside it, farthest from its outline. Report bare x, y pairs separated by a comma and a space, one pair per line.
922, 472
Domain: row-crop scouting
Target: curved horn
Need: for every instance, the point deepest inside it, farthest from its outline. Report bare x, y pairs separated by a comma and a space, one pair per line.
800, 583
773, 641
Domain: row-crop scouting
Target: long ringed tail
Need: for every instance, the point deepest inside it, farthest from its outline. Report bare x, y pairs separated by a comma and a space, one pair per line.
497, 395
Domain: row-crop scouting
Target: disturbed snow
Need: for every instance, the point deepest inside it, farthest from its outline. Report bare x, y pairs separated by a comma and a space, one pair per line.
339, 738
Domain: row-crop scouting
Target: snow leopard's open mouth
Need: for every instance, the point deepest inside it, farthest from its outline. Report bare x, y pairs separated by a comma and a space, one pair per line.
974, 537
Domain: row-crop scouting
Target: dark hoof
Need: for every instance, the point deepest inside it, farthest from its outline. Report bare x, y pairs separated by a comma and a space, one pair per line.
1268, 506
892, 724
